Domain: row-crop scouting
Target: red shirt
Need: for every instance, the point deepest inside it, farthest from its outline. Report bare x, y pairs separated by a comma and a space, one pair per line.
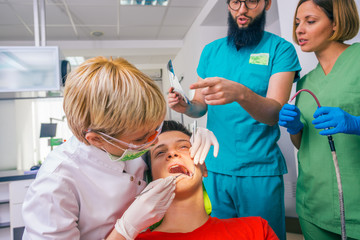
254, 228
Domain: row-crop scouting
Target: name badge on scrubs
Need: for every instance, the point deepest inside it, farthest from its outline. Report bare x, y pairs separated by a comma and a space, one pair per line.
259, 59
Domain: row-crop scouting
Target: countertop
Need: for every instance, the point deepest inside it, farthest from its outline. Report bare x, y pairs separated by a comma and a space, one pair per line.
16, 175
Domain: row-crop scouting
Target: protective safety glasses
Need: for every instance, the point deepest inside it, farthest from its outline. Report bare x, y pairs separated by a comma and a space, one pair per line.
249, 4
151, 139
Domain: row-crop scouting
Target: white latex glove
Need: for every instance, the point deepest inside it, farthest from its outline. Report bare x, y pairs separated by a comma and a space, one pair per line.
148, 208
201, 144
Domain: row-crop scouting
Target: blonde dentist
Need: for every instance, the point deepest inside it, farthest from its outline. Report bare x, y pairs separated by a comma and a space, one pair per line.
89, 184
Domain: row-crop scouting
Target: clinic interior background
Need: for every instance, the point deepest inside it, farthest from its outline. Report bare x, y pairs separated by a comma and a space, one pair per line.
20, 144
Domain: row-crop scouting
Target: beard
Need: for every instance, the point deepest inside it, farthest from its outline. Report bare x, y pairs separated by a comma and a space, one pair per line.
248, 36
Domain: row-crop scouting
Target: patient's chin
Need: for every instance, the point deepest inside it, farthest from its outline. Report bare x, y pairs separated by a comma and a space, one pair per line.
183, 186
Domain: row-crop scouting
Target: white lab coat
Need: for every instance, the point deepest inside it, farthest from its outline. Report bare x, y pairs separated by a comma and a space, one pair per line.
79, 193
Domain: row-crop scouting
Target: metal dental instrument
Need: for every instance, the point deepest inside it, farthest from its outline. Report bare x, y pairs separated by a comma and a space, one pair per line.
192, 140
175, 177
174, 82
194, 127
337, 170
190, 176
193, 173
178, 175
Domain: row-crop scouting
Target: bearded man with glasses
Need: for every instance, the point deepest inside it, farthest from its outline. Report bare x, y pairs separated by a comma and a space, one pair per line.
243, 81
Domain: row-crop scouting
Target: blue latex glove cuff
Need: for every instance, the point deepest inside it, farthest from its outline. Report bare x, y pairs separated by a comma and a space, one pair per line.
294, 131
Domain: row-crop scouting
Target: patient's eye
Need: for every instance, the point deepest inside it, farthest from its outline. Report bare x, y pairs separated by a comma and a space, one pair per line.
159, 153
184, 146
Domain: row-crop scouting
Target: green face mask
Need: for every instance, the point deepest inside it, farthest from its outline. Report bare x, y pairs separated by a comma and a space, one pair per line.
128, 155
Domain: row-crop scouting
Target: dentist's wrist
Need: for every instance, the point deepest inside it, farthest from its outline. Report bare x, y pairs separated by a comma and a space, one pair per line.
297, 129
128, 232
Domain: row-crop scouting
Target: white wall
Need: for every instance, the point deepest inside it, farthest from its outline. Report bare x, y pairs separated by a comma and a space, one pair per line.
187, 59
21, 146
16, 136
8, 140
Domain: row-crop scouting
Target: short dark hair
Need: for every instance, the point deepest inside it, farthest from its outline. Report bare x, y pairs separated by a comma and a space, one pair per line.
169, 125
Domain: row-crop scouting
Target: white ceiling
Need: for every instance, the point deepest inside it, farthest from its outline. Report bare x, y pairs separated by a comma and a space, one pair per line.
139, 28
116, 22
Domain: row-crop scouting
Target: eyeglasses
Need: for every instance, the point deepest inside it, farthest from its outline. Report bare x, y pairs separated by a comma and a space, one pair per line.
249, 4
132, 146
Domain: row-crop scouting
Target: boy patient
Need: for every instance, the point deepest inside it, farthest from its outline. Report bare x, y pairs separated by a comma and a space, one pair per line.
186, 218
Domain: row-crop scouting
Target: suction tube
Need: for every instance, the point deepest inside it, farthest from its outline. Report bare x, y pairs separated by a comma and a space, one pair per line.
337, 170
306, 90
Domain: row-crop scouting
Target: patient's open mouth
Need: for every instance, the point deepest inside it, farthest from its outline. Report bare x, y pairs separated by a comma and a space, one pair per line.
180, 169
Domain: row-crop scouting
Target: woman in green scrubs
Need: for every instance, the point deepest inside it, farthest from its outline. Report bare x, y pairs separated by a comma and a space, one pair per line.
322, 26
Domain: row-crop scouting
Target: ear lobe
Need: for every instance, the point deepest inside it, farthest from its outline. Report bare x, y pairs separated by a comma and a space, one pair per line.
203, 169
334, 26
94, 139
268, 5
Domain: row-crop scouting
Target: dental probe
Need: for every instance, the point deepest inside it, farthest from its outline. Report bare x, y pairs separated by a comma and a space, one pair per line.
190, 176
337, 170
175, 177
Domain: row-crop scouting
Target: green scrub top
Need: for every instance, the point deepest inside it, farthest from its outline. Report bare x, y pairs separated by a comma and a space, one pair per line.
317, 192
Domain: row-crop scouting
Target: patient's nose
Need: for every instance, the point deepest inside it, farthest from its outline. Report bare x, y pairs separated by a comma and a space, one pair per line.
172, 155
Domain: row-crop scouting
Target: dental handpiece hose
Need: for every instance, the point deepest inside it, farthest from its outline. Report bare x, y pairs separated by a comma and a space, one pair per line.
337, 170
341, 195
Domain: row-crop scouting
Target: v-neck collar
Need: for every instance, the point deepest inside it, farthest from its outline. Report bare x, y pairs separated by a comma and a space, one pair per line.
337, 62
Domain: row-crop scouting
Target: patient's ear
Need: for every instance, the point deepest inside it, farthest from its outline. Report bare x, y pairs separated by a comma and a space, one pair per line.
94, 139
203, 169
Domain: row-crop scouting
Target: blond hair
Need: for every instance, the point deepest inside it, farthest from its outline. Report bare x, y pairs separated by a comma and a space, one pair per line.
342, 12
111, 96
